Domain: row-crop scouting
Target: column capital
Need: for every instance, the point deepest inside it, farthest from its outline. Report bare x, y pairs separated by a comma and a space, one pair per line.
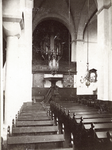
103, 5
13, 24
12, 29
13, 18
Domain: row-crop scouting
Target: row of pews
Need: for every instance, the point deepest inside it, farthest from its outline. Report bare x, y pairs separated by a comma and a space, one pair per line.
35, 129
87, 128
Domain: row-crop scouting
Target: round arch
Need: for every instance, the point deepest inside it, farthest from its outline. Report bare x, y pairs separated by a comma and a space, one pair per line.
84, 20
56, 17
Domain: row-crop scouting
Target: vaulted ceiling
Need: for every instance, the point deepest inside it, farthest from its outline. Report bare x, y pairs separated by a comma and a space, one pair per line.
73, 14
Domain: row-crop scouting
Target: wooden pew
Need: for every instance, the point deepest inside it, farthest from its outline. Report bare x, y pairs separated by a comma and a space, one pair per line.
88, 112
32, 110
94, 120
98, 133
104, 134
34, 113
85, 114
21, 118
91, 115
81, 109
54, 149
99, 126
59, 149
33, 106
34, 123
36, 109
35, 130
35, 140
26, 114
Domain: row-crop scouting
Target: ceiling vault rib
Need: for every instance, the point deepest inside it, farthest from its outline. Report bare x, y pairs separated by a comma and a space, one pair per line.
89, 21
71, 14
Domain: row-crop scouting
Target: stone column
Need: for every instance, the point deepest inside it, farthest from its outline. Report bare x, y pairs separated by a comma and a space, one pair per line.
19, 57
110, 53
12, 93
73, 55
26, 51
1, 72
73, 52
104, 51
81, 65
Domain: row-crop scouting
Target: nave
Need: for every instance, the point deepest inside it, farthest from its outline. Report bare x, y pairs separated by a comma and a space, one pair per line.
61, 125
64, 45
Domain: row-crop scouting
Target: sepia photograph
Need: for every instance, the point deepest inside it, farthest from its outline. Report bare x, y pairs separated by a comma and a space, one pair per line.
56, 74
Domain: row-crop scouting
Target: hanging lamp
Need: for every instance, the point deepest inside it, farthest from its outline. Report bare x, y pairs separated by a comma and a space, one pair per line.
91, 75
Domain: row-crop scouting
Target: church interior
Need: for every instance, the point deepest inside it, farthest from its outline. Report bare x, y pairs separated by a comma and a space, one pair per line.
56, 75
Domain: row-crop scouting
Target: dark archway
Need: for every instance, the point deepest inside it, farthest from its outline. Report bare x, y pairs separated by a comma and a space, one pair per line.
44, 28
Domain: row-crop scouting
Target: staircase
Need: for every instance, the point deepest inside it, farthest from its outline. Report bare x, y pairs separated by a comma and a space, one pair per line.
48, 96
34, 129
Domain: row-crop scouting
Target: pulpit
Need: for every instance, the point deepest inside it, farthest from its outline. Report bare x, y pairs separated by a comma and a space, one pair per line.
54, 89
